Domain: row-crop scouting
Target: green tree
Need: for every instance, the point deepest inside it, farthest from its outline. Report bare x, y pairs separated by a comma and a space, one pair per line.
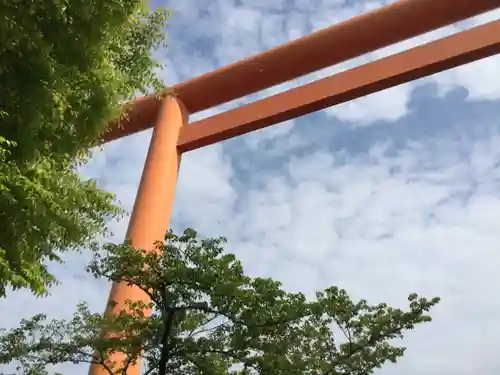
209, 318
66, 66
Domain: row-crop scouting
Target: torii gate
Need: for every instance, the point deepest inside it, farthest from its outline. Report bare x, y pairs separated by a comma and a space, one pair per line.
172, 135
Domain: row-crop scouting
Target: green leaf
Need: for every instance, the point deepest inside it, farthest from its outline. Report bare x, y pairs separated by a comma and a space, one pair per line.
65, 67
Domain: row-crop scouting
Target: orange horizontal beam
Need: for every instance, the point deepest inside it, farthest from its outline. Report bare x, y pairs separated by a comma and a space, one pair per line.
418, 62
346, 40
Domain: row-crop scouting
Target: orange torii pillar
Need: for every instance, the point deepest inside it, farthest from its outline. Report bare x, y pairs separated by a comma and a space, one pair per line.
153, 204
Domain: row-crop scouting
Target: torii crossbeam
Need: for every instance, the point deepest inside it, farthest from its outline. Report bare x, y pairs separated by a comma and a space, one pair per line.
172, 135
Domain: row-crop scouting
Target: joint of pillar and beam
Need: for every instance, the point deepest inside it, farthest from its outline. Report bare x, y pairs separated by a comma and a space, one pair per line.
434, 57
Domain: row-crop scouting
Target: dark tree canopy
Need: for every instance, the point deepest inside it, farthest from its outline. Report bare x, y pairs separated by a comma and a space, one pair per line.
66, 66
210, 318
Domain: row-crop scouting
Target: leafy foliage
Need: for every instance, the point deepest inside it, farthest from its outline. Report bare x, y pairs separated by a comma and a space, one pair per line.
66, 66
209, 318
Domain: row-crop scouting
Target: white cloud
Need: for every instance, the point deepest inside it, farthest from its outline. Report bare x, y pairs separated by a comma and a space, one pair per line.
388, 105
255, 140
467, 76
205, 181
382, 234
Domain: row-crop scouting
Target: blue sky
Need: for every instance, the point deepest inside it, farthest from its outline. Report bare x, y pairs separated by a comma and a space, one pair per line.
394, 193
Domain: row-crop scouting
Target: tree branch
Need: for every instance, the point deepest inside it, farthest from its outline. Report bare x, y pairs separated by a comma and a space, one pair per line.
202, 306
193, 333
165, 348
370, 342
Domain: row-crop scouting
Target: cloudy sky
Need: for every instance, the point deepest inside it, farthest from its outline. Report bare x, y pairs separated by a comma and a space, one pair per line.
394, 193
